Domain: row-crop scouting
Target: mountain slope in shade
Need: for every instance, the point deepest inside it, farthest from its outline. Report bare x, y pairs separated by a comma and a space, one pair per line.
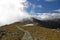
48, 23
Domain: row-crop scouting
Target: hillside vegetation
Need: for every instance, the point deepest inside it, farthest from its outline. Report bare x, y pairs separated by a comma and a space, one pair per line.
10, 32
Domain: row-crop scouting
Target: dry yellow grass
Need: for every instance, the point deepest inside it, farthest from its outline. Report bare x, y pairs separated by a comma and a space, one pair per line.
37, 32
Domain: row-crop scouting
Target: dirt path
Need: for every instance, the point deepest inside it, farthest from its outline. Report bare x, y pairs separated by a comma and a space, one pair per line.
27, 35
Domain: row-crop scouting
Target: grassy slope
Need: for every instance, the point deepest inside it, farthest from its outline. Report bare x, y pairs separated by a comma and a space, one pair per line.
37, 32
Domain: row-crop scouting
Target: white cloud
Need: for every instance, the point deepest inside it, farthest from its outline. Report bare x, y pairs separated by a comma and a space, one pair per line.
50, 0
34, 8
39, 6
12, 11
48, 16
58, 10
27, 4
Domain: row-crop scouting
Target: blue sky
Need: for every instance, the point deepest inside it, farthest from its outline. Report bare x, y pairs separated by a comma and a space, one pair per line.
12, 11
43, 6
